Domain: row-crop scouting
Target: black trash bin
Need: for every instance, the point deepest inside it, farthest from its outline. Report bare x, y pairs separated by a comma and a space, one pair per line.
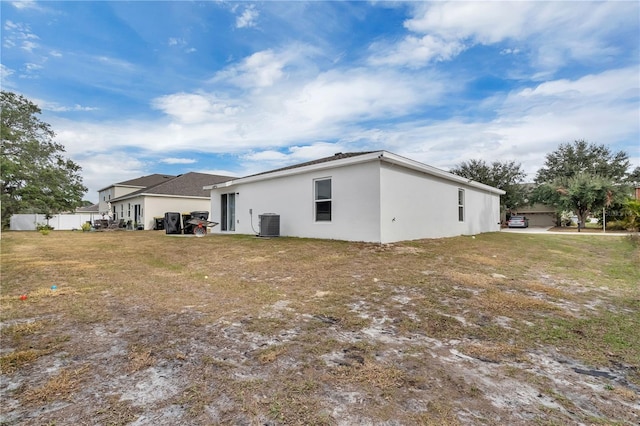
159, 223
202, 215
187, 227
172, 223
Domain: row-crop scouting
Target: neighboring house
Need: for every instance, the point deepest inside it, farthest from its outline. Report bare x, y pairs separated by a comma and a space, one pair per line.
538, 214
93, 211
368, 196
181, 194
105, 195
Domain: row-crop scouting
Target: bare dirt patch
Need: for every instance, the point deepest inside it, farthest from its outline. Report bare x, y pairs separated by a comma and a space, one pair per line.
143, 329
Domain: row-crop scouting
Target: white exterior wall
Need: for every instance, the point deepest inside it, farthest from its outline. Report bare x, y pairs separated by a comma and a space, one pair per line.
104, 197
157, 206
355, 204
417, 205
482, 211
126, 213
108, 194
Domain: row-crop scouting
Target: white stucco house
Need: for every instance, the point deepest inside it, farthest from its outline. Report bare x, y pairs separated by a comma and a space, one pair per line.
120, 189
365, 196
181, 194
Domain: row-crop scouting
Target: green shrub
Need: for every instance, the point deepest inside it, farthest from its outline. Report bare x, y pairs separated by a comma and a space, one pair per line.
44, 227
86, 227
616, 225
632, 214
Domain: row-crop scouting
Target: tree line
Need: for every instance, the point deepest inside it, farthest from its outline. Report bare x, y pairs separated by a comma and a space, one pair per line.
579, 177
36, 177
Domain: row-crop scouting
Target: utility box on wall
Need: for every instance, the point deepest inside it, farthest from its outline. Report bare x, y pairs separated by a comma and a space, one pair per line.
269, 225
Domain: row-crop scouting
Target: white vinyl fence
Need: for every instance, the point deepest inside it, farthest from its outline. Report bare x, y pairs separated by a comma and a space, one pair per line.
60, 222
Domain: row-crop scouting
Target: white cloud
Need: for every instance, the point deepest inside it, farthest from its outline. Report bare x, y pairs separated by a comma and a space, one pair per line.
75, 107
180, 43
19, 30
113, 62
260, 161
28, 45
248, 18
56, 107
221, 172
600, 107
530, 123
101, 170
314, 151
267, 68
19, 34
294, 153
486, 22
510, 51
268, 155
554, 32
415, 51
292, 113
27, 4
262, 69
343, 96
29, 67
172, 160
190, 108
5, 73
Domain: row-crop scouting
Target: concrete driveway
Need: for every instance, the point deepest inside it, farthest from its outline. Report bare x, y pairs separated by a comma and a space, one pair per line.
529, 230
570, 231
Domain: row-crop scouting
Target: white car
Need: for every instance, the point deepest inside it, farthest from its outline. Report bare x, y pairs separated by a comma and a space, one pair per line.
518, 222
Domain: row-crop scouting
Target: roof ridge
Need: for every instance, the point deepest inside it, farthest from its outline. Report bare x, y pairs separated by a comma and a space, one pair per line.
191, 187
336, 156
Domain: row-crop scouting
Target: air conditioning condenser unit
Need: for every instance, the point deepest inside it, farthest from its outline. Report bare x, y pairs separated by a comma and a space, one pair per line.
269, 225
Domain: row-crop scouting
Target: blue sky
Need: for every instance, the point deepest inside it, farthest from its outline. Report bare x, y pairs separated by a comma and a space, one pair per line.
135, 88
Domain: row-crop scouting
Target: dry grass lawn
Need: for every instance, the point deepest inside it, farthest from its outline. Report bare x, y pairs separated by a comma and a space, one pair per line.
149, 329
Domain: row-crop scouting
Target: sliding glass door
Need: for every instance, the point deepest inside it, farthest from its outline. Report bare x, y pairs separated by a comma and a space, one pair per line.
228, 212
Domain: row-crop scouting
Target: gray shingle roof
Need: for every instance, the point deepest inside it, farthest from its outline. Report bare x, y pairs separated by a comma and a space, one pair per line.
146, 181
186, 185
90, 209
336, 156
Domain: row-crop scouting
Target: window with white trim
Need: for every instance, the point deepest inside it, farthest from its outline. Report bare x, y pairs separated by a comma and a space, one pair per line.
460, 205
322, 199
